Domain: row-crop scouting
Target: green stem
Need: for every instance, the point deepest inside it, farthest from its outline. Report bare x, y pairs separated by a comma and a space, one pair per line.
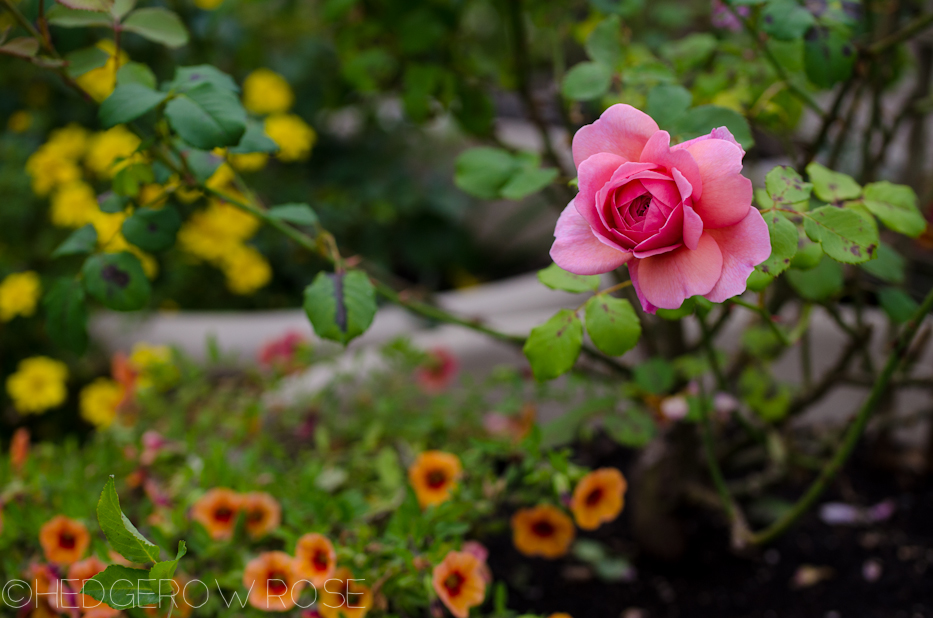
766, 317
914, 27
853, 434
711, 461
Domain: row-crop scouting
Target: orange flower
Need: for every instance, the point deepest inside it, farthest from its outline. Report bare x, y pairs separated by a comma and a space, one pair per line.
272, 582
315, 559
19, 448
217, 511
344, 597
79, 573
459, 582
434, 475
123, 372
542, 531
263, 513
64, 540
559, 615
598, 498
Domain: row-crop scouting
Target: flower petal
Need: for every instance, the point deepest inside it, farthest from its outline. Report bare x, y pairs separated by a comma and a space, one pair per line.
593, 175
727, 195
744, 246
621, 130
693, 227
577, 250
722, 133
658, 151
667, 280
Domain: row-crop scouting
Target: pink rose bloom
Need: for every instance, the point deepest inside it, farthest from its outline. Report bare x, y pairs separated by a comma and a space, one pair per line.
680, 217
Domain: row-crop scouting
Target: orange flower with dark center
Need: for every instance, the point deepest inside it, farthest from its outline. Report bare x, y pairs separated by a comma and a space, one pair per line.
64, 540
459, 582
263, 513
78, 574
217, 511
272, 582
542, 531
433, 476
315, 559
344, 596
19, 449
598, 498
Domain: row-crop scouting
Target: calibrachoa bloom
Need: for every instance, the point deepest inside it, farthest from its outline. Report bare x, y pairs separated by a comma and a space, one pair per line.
19, 294
217, 511
680, 217
63, 540
78, 574
263, 513
315, 559
433, 476
346, 597
293, 136
267, 92
437, 372
598, 498
459, 582
19, 449
272, 582
542, 531
38, 385
100, 401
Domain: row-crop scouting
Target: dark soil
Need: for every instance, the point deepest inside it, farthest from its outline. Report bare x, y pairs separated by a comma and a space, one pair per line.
709, 580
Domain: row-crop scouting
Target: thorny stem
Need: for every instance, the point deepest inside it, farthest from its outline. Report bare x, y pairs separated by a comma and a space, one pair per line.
853, 434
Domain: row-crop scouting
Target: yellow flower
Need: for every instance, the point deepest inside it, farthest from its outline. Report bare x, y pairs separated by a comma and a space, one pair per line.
293, 136
19, 121
267, 92
100, 82
99, 401
208, 5
69, 142
250, 162
117, 243
246, 270
74, 205
38, 385
152, 195
49, 169
19, 293
151, 360
110, 151
222, 178
107, 225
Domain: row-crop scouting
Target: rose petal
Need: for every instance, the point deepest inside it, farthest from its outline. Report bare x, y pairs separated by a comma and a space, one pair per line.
621, 130
722, 133
669, 237
633, 275
693, 227
727, 195
577, 250
594, 174
744, 246
667, 280
658, 151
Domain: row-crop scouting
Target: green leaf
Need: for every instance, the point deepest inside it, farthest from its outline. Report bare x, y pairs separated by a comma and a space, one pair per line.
164, 571
128, 102
784, 241
690, 51
187, 78
631, 427
123, 536
527, 181
819, 283
60, 15
605, 41
130, 179
121, 7
102, 6
703, 119
673, 315
786, 20
22, 47
832, 186
116, 280
787, 189
66, 315
898, 304
157, 25
888, 265
896, 207
587, 81
299, 214
340, 306
612, 324
111, 202
758, 281
557, 278
654, 375
85, 60
152, 229
482, 172
121, 587
808, 255
254, 140
845, 235
828, 55
552, 348
136, 73
83, 240
667, 103
207, 117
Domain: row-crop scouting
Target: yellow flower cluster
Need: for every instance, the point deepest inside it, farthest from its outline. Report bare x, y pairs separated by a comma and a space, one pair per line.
19, 294
100, 82
153, 364
38, 385
100, 400
266, 93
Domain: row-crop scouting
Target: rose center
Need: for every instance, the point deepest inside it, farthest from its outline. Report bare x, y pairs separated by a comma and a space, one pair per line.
453, 583
436, 479
66, 541
640, 205
543, 528
593, 498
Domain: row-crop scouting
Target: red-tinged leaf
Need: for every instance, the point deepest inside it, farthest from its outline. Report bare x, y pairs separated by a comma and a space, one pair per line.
23, 47
98, 6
